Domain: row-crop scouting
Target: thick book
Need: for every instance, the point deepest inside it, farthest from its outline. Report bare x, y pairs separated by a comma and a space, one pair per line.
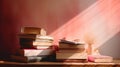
25, 58
33, 30
104, 60
63, 45
70, 55
72, 60
74, 50
29, 42
43, 47
100, 58
30, 45
29, 36
43, 40
35, 36
69, 42
34, 52
38, 43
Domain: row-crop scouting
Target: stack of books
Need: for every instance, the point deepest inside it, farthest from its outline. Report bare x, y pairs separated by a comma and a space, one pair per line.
35, 46
35, 41
71, 52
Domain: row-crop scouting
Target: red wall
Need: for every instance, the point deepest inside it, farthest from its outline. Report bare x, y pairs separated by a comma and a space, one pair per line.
93, 20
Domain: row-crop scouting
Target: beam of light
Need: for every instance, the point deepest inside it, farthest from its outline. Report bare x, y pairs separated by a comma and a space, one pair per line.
100, 21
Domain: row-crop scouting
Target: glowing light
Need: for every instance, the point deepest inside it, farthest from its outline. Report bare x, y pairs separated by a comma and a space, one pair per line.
101, 19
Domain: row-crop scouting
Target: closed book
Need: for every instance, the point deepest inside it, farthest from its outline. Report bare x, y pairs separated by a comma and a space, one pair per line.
69, 42
100, 58
29, 36
29, 43
35, 43
72, 60
43, 47
71, 46
38, 43
72, 50
25, 58
105, 60
33, 30
70, 55
34, 52
43, 40
35, 36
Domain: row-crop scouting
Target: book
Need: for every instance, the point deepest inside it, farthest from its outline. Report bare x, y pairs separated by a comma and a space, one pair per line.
72, 50
65, 44
70, 55
30, 45
35, 36
99, 58
29, 36
25, 59
105, 60
38, 43
43, 47
34, 52
33, 30
62, 41
30, 41
72, 60
43, 40
102, 58
62, 45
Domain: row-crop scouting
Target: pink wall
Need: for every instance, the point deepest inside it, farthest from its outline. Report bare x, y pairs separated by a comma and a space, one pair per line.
97, 20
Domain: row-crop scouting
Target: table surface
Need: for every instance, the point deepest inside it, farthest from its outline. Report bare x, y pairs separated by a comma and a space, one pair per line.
115, 62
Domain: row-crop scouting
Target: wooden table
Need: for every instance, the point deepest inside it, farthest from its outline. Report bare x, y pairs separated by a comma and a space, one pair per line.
115, 63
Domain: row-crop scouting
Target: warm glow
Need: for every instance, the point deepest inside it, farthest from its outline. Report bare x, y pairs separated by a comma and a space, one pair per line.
100, 22
90, 21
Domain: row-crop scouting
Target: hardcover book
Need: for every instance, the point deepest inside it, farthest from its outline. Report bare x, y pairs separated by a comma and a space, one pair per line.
35, 52
62, 55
